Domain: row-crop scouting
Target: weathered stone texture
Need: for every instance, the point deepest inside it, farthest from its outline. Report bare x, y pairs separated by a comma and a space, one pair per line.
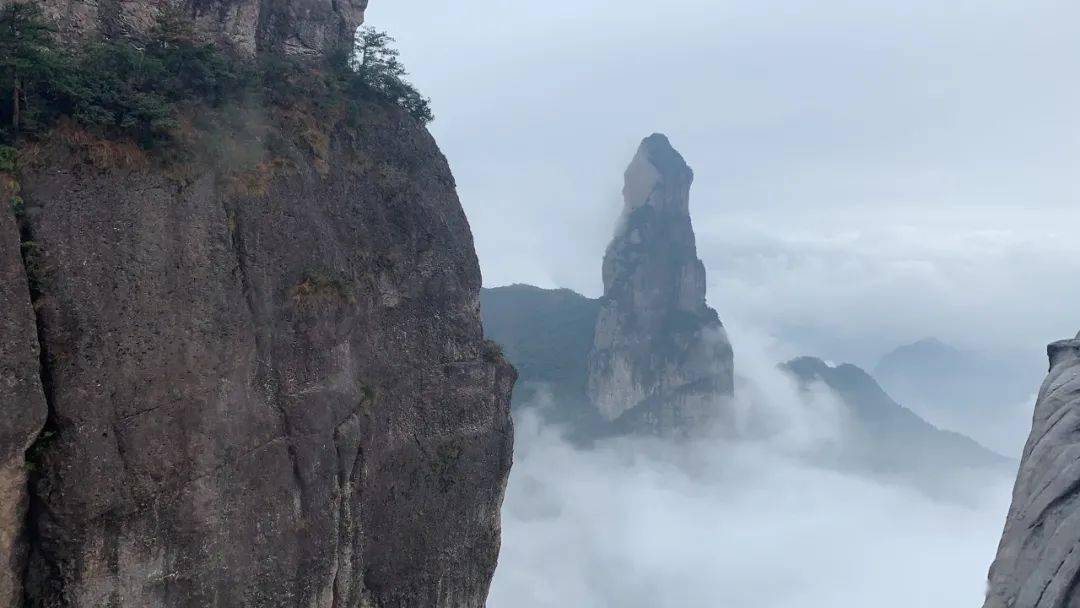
661, 360
1038, 565
305, 27
22, 402
266, 390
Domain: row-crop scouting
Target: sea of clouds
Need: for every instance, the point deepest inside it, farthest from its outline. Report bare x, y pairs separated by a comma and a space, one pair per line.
650, 522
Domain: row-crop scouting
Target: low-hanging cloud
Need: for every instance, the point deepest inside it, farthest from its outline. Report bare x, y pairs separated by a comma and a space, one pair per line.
855, 292
648, 522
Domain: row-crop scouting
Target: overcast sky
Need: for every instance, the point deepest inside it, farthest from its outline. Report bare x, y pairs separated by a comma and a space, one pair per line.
868, 172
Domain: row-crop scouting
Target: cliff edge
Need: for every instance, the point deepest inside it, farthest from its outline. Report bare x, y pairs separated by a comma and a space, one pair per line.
247, 27
262, 364
1037, 565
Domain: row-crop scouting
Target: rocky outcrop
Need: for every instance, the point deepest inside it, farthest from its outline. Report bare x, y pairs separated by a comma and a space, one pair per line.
296, 27
661, 360
267, 395
262, 364
264, 394
22, 402
1037, 564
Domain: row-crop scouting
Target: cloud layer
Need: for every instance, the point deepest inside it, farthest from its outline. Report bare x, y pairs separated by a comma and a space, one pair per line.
867, 172
649, 523
635, 524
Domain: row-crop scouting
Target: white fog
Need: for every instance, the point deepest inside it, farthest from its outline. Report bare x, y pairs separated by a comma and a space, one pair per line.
654, 523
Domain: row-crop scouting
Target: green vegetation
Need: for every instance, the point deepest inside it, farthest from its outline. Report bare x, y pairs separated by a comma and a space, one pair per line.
29, 62
137, 88
374, 69
8, 159
493, 351
547, 335
126, 88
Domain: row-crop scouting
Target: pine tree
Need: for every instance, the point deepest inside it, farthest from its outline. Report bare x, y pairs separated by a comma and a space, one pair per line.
378, 68
27, 56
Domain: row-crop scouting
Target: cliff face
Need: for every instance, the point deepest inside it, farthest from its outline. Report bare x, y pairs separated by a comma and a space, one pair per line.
266, 379
660, 359
304, 27
22, 402
1037, 565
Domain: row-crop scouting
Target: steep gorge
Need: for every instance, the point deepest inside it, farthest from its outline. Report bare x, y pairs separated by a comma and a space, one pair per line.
266, 379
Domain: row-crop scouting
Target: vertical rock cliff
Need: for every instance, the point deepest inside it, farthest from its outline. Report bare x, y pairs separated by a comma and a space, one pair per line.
1038, 565
266, 380
661, 360
296, 27
22, 402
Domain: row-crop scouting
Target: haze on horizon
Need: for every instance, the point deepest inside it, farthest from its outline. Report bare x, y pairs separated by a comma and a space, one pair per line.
867, 174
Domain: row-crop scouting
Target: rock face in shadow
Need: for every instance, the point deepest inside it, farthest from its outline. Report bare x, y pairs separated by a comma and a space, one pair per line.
1038, 565
295, 27
547, 334
273, 395
22, 401
263, 379
661, 361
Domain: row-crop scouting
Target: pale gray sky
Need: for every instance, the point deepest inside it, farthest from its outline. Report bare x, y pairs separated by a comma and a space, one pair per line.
868, 172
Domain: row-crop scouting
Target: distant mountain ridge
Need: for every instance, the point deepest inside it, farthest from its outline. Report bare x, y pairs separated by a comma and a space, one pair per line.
546, 335
982, 395
885, 436
651, 355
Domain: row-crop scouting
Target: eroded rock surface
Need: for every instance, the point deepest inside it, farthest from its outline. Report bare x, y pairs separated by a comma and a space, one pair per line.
1038, 565
267, 388
266, 377
661, 360
22, 402
298, 27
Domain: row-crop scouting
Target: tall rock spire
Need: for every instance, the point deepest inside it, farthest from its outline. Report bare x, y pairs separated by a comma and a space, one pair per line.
660, 361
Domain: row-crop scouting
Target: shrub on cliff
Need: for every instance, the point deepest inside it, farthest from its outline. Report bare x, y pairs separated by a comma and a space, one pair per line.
372, 70
29, 63
126, 87
136, 88
136, 91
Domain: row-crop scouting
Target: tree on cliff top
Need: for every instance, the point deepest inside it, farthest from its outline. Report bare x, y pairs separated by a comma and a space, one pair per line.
377, 69
115, 86
27, 56
138, 87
